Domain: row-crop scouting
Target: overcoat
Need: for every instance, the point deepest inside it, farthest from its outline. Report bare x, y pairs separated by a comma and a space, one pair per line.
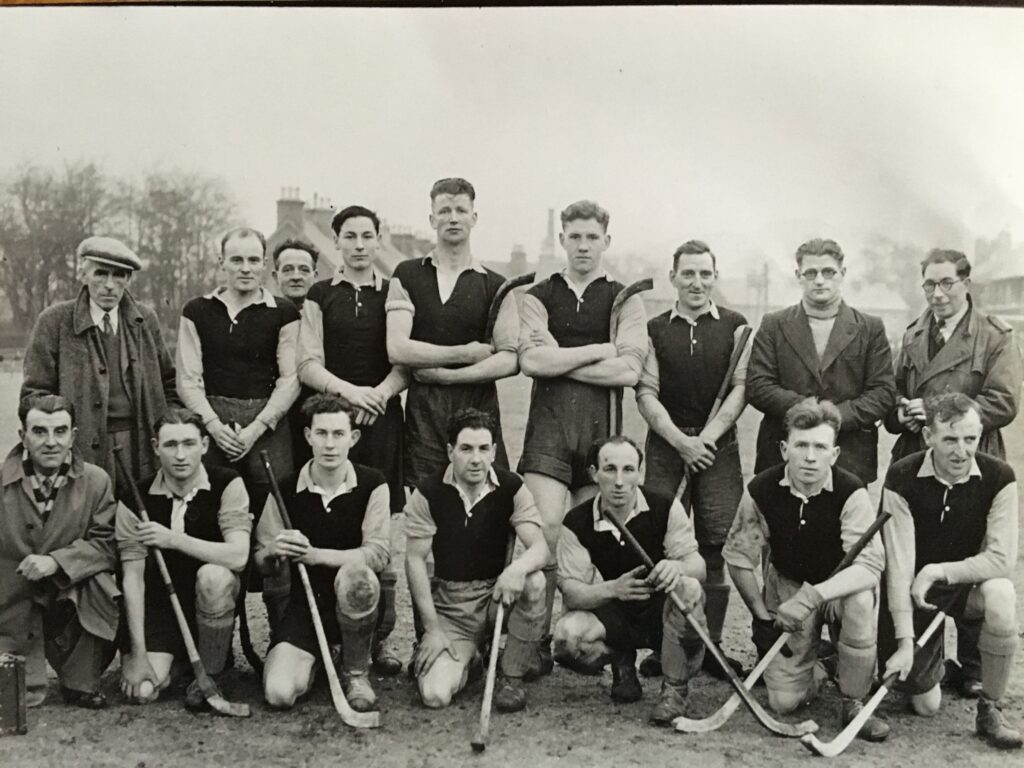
78, 534
981, 359
65, 357
855, 374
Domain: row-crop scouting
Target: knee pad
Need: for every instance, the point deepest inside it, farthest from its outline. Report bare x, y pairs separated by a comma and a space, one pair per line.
358, 592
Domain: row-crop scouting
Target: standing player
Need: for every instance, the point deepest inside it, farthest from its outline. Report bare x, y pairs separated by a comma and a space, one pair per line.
348, 310
823, 348
690, 347
808, 512
565, 346
342, 534
615, 605
466, 515
436, 325
200, 518
954, 522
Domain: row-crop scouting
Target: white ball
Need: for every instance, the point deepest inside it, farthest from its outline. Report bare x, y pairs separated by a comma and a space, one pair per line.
145, 689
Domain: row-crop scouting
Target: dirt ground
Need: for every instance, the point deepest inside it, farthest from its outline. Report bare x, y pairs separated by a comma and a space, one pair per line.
570, 720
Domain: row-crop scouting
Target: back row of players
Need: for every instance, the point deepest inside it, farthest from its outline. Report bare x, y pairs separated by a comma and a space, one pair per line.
441, 329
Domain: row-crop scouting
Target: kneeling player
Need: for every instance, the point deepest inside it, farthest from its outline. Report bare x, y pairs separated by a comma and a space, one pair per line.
467, 515
615, 607
808, 512
954, 522
342, 534
200, 518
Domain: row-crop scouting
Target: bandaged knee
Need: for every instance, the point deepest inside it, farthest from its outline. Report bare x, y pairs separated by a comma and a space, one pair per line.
358, 593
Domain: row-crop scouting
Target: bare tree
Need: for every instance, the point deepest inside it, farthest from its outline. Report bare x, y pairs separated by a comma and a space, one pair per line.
44, 215
173, 221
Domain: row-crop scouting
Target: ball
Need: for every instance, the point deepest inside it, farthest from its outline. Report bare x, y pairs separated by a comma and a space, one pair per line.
145, 689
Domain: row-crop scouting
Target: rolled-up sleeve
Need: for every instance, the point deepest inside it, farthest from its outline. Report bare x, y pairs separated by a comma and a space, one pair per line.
398, 298
129, 547
650, 375
376, 530
900, 557
524, 508
631, 333
533, 317
747, 537
680, 541
506, 326
234, 514
574, 563
419, 523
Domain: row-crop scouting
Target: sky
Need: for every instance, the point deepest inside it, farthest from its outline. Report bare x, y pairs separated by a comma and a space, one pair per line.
751, 128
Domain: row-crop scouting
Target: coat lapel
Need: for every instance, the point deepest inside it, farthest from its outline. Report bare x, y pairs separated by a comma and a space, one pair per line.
797, 332
960, 347
844, 331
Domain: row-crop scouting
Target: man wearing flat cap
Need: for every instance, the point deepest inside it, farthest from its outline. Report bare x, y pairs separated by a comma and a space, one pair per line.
105, 353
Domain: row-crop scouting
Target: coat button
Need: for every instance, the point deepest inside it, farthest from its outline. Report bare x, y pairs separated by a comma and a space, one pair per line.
30, 527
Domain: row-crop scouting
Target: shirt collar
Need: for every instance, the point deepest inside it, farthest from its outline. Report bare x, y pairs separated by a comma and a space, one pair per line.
266, 297
950, 323
159, 486
601, 525
785, 482
474, 265
96, 312
341, 277
928, 470
305, 483
491, 485
711, 309
578, 290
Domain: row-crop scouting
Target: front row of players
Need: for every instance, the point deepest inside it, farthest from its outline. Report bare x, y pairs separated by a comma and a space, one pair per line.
954, 522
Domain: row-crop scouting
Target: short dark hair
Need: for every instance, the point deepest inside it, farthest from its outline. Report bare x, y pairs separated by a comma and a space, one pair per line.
583, 210
452, 186
178, 415
597, 445
243, 232
947, 256
299, 244
470, 418
46, 404
812, 412
693, 248
325, 402
352, 212
819, 247
949, 407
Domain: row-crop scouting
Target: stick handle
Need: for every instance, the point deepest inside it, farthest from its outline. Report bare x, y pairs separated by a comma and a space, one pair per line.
492, 669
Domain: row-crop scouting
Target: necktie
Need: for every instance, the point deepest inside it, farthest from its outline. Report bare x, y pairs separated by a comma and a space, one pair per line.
936, 341
108, 327
47, 486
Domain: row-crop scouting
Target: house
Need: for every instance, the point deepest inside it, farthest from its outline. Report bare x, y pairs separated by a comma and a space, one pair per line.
997, 282
312, 222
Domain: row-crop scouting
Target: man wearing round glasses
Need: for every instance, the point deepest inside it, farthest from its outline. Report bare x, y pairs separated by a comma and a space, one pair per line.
823, 348
954, 347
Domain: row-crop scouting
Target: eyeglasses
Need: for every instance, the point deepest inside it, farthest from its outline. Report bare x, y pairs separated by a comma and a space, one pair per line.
811, 273
945, 284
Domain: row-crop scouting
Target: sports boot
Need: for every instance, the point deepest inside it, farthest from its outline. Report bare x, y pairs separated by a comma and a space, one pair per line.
544, 662
625, 685
385, 663
651, 665
874, 729
671, 703
993, 728
509, 695
360, 694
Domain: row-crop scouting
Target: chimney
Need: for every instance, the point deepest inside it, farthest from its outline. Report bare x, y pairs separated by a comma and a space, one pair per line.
322, 213
289, 207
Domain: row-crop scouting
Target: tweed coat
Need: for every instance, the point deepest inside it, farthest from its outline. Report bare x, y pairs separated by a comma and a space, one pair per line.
981, 359
78, 534
65, 357
855, 373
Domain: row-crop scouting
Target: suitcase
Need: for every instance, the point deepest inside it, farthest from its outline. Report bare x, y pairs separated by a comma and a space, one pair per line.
13, 719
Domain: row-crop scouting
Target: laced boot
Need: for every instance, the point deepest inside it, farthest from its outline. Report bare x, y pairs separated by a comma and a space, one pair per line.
651, 665
874, 728
625, 685
509, 695
360, 694
991, 725
671, 702
385, 663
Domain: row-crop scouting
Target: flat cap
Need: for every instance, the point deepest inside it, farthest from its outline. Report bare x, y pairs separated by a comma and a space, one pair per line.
107, 250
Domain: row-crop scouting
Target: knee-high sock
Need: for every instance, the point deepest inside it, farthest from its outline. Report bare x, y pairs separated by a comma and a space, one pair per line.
356, 639
386, 618
996, 662
551, 584
717, 597
967, 650
213, 638
276, 591
682, 651
525, 631
856, 669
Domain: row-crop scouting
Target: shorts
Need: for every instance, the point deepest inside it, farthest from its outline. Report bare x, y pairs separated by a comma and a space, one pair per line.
566, 418
296, 626
715, 493
380, 447
465, 609
929, 661
630, 626
428, 409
